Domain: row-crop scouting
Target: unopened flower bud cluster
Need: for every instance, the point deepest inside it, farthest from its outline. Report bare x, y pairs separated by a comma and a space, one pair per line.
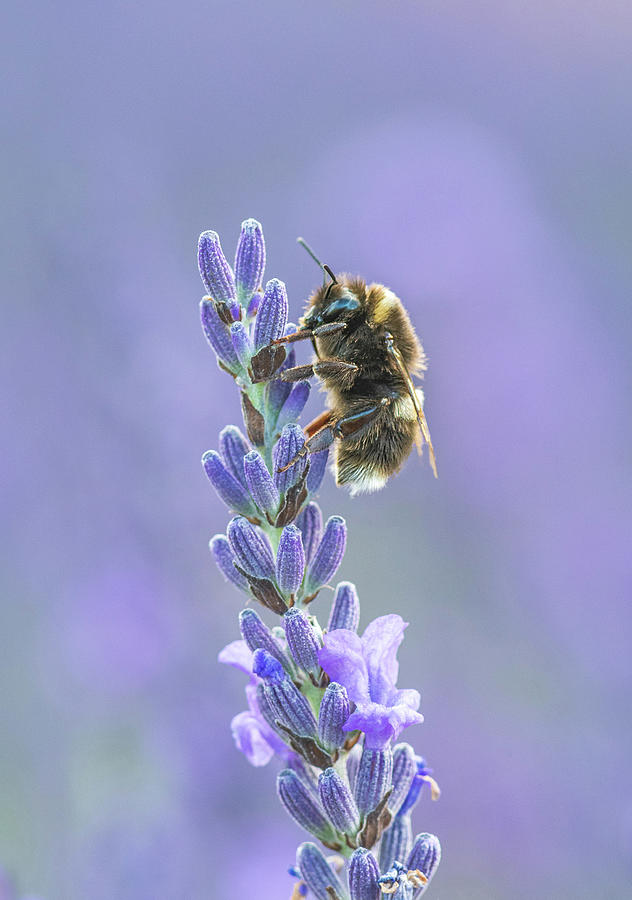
323, 700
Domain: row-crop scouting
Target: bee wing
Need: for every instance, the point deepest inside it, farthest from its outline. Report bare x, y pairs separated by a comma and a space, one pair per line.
423, 424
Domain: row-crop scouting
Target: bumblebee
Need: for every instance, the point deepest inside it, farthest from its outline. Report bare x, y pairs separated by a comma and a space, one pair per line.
366, 355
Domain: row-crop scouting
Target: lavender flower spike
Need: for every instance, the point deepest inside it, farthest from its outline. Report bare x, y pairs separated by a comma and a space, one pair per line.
271, 315
368, 669
328, 556
290, 564
250, 260
317, 874
216, 274
363, 876
324, 702
260, 484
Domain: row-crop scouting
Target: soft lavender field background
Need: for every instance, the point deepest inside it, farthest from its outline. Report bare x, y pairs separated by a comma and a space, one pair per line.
474, 157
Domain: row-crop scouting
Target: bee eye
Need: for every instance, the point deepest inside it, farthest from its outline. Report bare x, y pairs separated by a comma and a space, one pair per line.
336, 308
311, 318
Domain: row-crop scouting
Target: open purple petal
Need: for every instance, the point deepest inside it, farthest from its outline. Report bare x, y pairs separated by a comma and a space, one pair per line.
246, 729
380, 643
237, 654
341, 657
382, 723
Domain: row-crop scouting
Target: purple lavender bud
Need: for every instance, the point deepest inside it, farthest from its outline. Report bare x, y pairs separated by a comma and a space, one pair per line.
396, 842
290, 564
253, 306
310, 521
301, 639
259, 637
225, 559
279, 391
328, 556
425, 856
227, 487
233, 446
338, 802
334, 712
277, 396
217, 334
216, 274
373, 778
302, 806
265, 707
251, 547
345, 610
317, 873
290, 359
260, 484
293, 406
417, 782
291, 441
267, 667
290, 707
363, 875
271, 315
317, 469
241, 343
404, 771
250, 259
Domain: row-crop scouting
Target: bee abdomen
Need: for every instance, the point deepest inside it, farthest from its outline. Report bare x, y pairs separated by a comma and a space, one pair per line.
365, 464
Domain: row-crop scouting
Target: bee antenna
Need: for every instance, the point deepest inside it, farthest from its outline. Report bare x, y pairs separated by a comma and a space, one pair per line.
325, 268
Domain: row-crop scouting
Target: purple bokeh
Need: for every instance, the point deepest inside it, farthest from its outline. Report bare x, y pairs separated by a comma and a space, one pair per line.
476, 161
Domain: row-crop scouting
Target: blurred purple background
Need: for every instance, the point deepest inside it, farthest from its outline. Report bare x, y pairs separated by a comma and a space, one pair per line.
475, 158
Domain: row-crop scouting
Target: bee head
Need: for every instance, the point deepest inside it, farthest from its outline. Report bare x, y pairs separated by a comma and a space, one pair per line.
335, 302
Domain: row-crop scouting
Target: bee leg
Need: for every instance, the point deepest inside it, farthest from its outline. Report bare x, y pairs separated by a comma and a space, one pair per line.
329, 328
340, 429
349, 425
304, 334
319, 422
297, 373
322, 368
